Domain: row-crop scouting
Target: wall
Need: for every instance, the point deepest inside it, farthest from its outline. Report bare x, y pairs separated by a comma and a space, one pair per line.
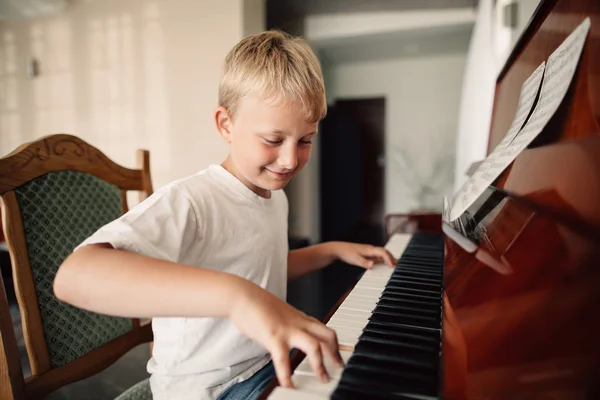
124, 74
422, 96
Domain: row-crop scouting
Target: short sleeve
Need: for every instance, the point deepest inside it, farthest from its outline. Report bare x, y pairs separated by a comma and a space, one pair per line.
163, 226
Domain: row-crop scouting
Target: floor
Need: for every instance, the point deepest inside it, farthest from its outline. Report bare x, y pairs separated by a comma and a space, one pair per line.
108, 384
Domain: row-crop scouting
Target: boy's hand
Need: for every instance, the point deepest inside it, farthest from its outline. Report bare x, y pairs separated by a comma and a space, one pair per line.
362, 255
280, 327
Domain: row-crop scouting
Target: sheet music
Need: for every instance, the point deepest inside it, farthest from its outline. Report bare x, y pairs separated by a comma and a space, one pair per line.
476, 183
556, 78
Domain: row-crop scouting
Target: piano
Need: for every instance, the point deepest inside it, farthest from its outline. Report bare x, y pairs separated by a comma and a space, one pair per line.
504, 301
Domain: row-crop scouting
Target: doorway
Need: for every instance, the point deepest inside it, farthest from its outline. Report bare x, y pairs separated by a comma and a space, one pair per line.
352, 171
352, 177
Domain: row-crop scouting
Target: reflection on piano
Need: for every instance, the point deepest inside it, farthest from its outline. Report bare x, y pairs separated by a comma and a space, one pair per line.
503, 304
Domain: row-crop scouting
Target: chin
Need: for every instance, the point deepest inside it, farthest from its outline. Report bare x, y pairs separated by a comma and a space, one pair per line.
273, 185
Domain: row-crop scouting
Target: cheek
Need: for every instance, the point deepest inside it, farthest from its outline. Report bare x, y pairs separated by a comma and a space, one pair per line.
263, 154
303, 156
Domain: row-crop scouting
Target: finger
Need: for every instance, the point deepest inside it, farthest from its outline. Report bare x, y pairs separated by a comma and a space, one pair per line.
366, 263
281, 362
329, 341
383, 254
311, 347
389, 258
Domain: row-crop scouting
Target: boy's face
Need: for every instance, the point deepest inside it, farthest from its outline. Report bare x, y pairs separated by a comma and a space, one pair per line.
269, 143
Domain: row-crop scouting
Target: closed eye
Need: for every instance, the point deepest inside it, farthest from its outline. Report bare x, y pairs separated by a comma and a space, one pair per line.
272, 142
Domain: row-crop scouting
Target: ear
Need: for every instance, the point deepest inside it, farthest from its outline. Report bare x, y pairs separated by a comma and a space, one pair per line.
224, 123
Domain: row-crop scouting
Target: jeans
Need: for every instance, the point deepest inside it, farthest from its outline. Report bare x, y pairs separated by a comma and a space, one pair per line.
252, 387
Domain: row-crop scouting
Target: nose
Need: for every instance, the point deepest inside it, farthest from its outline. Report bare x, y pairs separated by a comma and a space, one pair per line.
288, 157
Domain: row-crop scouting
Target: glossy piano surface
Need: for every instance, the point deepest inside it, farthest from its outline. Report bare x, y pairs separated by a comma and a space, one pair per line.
521, 311
521, 318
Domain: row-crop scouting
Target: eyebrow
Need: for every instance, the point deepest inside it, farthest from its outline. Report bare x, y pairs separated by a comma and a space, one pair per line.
280, 132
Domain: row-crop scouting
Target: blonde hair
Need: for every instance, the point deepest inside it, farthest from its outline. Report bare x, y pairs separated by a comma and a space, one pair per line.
276, 67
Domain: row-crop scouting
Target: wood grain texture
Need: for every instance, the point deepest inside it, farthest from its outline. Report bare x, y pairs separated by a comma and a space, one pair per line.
59, 153
33, 331
524, 304
571, 136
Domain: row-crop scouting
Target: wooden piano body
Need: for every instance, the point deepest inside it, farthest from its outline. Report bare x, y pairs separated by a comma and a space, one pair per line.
520, 312
525, 324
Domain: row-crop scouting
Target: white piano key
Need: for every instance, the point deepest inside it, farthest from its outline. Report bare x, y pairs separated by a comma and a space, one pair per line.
357, 313
349, 331
360, 300
397, 243
368, 292
357, 307
337, 324
369, 280
281, 393
362, 296
348, 322
373, 281
353, 318
347, 338
308, 383
332, 368
361, 305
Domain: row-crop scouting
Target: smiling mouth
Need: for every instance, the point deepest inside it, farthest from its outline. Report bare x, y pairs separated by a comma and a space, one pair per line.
280, 174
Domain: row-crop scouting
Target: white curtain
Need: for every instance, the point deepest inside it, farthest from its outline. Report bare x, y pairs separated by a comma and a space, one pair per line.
478, 89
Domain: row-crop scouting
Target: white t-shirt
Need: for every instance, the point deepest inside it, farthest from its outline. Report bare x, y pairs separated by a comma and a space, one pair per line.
209, 220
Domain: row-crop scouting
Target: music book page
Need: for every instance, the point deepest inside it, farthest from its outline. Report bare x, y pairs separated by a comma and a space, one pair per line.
555, 79
475, 185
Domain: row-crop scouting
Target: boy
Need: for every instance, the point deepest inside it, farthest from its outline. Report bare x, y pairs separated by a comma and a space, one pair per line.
207, 257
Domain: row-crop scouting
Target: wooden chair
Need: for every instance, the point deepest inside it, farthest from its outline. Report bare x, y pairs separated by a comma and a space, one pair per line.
57, 191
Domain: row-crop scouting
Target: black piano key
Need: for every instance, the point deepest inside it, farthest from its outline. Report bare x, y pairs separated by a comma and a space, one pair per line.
408, 310
394, 382
401, 275
417, 272
395, 294
402, 283
429, 336
421, 262
398, 354
400, 291
410, 302
406, 319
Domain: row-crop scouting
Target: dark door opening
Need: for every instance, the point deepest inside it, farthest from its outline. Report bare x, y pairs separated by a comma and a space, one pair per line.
353, 172
352, 175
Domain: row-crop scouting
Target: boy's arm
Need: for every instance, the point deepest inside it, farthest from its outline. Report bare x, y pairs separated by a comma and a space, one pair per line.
312, 258
116, 282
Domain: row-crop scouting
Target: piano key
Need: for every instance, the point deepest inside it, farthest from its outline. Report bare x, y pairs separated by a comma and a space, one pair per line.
311, 384
362, 337
398, 354
334, 371
337, 323
281, 393
347, 338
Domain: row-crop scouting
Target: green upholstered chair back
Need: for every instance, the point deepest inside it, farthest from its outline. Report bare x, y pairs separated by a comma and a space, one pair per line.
56, 192
59, 210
